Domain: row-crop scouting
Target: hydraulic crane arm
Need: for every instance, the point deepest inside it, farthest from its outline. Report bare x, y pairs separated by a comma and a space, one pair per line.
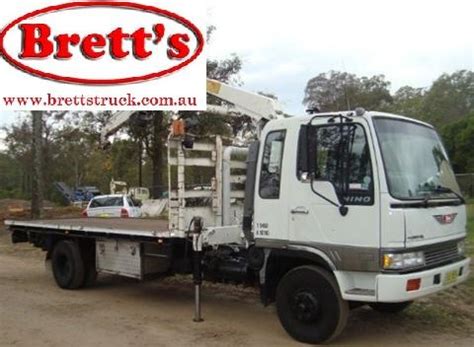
115, 122
258, 107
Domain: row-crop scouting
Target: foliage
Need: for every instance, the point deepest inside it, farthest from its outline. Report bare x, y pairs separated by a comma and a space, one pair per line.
335, 91
71, 139
225, 70
450, 98
408, 101
459, 141
470, 227
448, 104
10, 177
71, 154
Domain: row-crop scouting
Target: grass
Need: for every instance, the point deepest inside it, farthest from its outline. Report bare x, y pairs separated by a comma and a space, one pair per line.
470, 248
470, 229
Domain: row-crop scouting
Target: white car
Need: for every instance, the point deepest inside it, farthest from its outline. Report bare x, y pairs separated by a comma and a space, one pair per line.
117, 205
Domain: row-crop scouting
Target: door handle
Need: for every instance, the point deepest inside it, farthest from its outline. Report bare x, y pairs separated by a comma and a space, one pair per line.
299, 210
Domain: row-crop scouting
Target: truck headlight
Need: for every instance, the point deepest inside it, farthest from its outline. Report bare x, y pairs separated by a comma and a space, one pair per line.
397, 261
461, 247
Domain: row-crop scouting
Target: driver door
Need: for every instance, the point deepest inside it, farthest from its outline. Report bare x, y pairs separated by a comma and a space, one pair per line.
341, 157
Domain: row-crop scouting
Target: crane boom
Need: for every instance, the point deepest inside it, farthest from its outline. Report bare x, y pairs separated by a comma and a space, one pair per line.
115, 122
258, 107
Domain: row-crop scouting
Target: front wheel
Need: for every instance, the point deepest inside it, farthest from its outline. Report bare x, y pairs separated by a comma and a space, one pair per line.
390, 307
310, 306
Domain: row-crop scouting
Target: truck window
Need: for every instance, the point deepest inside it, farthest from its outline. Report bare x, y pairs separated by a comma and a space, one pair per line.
270, 174
342, 157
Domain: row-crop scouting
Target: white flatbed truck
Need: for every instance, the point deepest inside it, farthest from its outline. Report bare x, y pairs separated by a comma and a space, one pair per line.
323, 213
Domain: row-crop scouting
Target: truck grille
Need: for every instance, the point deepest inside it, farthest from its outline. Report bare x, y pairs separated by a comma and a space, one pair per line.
442, 254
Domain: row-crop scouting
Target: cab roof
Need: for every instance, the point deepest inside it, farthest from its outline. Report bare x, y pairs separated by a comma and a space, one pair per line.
367, 115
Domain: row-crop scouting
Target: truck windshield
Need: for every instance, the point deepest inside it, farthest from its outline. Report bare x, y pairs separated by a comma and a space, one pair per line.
416, 164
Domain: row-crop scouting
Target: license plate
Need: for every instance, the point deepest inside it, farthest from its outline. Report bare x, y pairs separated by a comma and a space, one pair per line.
104, 215
450, 277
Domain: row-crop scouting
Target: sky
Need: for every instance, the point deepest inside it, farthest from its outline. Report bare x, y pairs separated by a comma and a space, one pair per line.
284, 44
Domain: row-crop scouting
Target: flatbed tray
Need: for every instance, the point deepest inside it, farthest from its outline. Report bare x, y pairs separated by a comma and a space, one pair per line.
142, 227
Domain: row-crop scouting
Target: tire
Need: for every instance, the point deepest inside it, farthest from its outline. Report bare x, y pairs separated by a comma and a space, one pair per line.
310, 306
68, 266
390, 307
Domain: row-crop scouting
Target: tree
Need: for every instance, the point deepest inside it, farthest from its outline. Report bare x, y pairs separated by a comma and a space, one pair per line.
409, 101
10, 177
71, 153
336, 91
156, 150
225, 70
149, 129
450, 98
459, 141
19, 148
37, 193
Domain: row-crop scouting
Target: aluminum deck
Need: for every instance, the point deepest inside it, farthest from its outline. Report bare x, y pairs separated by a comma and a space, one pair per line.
104, 226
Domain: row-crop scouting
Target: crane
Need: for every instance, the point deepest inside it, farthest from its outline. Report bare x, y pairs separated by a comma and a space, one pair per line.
259, 108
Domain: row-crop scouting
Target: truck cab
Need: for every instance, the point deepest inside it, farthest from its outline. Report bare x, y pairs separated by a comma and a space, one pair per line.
369, 196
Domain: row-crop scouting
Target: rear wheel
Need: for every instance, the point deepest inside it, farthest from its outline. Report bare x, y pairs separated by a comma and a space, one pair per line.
310, 306
68, 266
390, 307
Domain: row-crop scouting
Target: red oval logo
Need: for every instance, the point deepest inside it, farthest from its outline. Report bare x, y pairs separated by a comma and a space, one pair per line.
174, 39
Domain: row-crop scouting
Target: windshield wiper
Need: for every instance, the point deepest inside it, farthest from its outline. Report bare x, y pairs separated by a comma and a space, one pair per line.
442, 189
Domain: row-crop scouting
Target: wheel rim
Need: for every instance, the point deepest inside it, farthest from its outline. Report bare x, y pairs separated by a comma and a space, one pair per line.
305, 306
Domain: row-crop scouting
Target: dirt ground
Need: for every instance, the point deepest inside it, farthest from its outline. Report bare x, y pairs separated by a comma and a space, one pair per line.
122, 312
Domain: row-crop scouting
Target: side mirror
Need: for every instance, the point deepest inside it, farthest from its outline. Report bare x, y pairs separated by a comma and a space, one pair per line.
327, 191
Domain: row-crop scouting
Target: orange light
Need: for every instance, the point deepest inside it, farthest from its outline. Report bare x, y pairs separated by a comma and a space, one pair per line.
387, 261
413, 284
177, 127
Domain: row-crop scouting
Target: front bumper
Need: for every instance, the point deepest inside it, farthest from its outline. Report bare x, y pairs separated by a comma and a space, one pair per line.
392, 287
